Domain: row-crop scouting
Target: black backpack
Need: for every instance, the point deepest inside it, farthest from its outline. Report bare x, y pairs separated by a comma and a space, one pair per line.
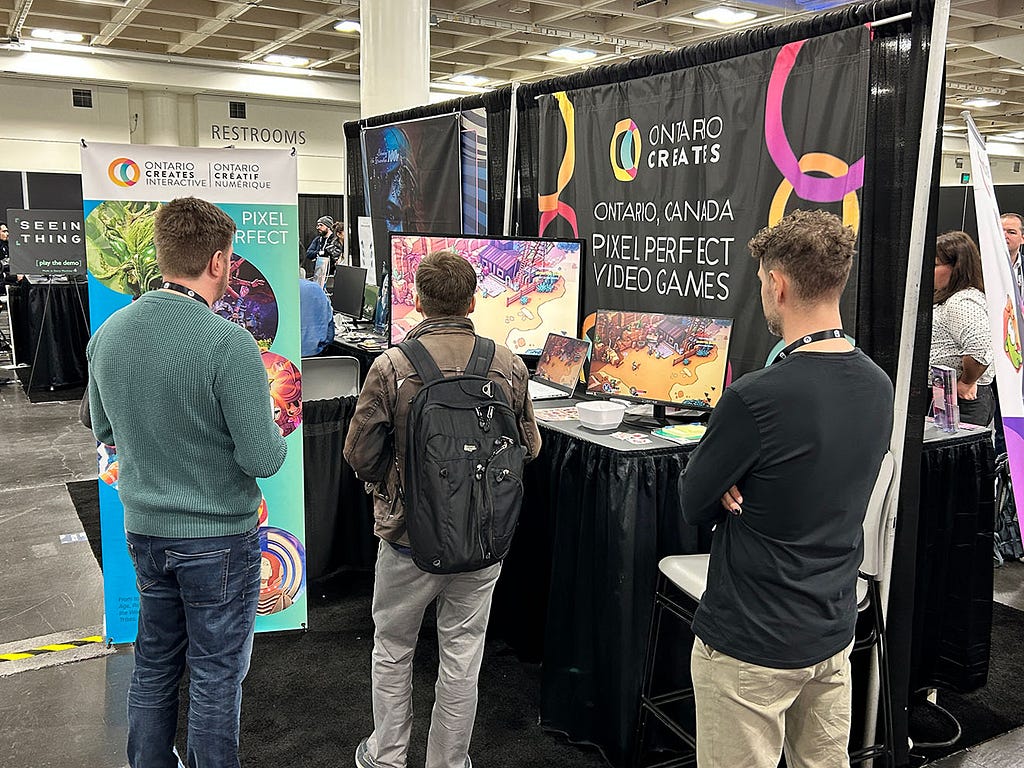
463, 465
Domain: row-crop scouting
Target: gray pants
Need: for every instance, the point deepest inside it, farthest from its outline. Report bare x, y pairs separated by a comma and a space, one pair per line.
401, 593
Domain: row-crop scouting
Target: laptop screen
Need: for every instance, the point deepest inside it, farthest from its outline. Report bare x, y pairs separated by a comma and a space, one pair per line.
561, 360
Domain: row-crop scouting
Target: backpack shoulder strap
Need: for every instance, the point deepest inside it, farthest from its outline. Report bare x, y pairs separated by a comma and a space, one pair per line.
421, 360
481, 358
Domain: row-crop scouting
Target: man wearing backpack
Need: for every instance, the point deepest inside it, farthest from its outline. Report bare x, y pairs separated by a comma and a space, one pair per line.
461, 488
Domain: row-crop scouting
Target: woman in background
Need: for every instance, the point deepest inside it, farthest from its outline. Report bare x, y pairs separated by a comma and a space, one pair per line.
961, 338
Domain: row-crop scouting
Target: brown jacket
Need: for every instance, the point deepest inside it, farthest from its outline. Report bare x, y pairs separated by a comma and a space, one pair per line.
375, 446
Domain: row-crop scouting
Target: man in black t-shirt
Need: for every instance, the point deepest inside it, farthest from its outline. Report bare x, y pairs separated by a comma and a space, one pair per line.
785, 471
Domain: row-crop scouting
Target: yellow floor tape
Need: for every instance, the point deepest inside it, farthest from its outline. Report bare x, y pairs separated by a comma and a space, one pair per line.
28, 654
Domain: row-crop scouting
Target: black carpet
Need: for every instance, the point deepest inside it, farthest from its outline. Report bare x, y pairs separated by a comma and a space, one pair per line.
307, 694
996, 708
41, 394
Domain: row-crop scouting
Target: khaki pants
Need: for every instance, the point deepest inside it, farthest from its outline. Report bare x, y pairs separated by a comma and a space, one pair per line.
401, 593
747, 714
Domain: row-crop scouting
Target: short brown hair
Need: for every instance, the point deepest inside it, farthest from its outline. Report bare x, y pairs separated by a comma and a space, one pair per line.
187, 232
445, 283
958, 250
814, 250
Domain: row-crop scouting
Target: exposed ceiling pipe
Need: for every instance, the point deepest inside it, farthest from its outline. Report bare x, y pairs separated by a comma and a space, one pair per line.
18, 20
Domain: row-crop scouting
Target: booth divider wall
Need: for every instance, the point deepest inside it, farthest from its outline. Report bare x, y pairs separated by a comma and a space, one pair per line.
899, 58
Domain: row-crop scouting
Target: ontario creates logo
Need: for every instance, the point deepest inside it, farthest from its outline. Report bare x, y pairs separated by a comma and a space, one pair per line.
624, 151
124, 172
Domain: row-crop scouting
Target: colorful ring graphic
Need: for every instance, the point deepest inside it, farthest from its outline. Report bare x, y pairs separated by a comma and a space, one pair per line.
124, 172
550, 206
823, 163
282, 570
626, 164
813, 188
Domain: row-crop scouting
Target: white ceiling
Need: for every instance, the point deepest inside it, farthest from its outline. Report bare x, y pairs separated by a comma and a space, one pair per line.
503, 40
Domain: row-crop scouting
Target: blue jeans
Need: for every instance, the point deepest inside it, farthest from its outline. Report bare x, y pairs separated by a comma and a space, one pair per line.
197, 605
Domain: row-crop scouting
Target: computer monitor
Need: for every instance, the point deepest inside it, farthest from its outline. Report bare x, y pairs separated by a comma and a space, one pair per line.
667, 360
347, 297
526, 287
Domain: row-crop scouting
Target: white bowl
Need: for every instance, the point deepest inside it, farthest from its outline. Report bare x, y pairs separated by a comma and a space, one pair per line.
600, 414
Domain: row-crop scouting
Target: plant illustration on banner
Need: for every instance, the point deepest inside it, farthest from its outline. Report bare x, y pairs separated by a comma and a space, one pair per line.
119, 246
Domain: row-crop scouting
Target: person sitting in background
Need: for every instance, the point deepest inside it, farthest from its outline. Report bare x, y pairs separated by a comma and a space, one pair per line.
961, 338
337, 248
316, 317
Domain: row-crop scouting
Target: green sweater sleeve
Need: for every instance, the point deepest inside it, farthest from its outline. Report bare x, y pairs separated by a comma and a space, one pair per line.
240, 383
99, 423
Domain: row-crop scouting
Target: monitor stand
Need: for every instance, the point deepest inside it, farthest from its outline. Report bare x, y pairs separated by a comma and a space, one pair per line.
661, 418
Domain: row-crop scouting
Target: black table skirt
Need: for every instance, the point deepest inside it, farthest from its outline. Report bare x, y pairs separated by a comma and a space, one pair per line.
65, 332
339, 515
577, 589
953, 590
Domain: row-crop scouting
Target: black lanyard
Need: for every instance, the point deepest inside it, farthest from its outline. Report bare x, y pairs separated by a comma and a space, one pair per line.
803, 341
178, 288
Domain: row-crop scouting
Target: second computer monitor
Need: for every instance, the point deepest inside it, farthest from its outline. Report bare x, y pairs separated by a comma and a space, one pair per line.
652, 357
349, 284
526, 287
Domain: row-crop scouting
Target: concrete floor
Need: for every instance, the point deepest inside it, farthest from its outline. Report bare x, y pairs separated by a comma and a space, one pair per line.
68, 711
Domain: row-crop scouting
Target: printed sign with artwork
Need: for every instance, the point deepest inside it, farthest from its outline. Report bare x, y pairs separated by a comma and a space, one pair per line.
123, 187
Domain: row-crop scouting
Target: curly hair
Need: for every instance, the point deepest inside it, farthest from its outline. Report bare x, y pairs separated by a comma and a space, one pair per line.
814, 249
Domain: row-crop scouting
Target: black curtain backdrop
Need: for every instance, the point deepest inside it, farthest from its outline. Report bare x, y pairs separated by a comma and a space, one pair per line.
895, 121
311, 208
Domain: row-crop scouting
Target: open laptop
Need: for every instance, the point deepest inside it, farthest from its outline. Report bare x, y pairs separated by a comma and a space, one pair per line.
559, 366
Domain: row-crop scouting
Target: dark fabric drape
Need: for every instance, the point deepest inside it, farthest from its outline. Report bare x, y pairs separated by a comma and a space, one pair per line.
895, 115
953, 593
339, 515
311, 208
496, 104
583, 569
64, 330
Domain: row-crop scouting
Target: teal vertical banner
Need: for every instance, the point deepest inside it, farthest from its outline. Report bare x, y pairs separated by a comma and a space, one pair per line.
123, 186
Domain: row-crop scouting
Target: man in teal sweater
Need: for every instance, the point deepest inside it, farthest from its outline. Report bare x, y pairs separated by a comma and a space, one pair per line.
183, 394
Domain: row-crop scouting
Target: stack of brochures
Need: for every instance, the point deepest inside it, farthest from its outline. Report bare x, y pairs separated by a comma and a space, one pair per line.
682, 433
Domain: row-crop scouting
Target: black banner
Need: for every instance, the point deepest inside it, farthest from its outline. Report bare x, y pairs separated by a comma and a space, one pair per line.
412, 174
46, 242
669, 176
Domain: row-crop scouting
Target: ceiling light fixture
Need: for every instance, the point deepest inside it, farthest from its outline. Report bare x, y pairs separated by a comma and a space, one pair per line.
981, 102
573, 55
723, 14
348, 25
468, 79
58, 35
285, 61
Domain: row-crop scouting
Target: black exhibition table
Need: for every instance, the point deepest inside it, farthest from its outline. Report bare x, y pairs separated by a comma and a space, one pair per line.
577, 590
339, 515
365, 356
953, 585
64, 334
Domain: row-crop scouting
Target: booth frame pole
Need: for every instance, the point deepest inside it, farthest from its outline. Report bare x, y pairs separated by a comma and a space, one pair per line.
911, 302
510, 161
42, 327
